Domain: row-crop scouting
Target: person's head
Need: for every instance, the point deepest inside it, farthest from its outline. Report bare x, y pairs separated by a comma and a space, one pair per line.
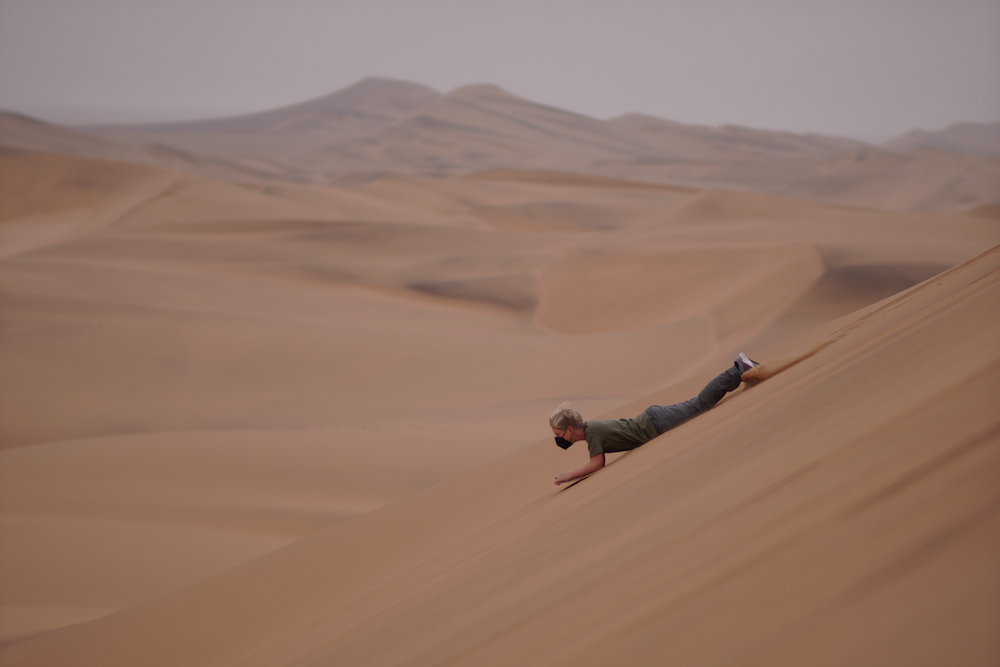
567, 425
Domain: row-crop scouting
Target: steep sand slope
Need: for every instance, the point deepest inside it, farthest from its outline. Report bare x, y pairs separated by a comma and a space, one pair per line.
845, 511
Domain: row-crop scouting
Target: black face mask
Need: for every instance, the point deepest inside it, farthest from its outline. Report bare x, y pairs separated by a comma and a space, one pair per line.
563, 442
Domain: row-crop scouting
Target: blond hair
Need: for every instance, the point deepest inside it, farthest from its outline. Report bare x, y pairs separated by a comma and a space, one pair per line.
564, 416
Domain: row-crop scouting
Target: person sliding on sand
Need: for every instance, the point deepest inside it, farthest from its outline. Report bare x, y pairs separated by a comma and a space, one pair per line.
618, 435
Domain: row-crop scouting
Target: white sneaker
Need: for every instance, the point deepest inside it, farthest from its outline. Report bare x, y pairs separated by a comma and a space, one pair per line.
745, 363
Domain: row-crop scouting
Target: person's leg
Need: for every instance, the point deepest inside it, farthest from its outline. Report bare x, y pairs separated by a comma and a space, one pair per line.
666, 417
721, 384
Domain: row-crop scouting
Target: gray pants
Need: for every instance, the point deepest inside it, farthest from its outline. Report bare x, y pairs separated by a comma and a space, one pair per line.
666, 417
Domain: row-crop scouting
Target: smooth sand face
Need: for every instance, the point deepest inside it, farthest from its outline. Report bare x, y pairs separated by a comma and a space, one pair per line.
197, 372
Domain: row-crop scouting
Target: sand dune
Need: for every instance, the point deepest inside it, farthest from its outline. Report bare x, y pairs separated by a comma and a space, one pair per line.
381, 126
479, 127
922, 181
766, 532
364, 106
26, 133
971, 138
46, 198
703, 143
330, 328
331, 315
195, 316
247, 146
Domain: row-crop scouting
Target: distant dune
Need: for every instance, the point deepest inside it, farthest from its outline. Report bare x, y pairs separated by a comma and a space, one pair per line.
383, 126
268, 386
970, 138
18, 131
367, 105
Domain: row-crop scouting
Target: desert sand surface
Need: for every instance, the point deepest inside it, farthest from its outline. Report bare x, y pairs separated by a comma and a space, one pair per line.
269, 388
765, 532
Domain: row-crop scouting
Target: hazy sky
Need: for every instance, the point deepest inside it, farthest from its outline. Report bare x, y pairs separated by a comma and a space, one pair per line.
863, 68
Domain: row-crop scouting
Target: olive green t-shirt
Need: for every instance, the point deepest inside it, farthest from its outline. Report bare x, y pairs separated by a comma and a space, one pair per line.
618, 435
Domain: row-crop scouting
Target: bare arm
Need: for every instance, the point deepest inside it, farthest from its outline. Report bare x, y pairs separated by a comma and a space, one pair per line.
595, 464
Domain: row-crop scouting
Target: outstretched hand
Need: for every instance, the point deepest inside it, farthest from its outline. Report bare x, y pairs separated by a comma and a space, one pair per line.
596, 463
